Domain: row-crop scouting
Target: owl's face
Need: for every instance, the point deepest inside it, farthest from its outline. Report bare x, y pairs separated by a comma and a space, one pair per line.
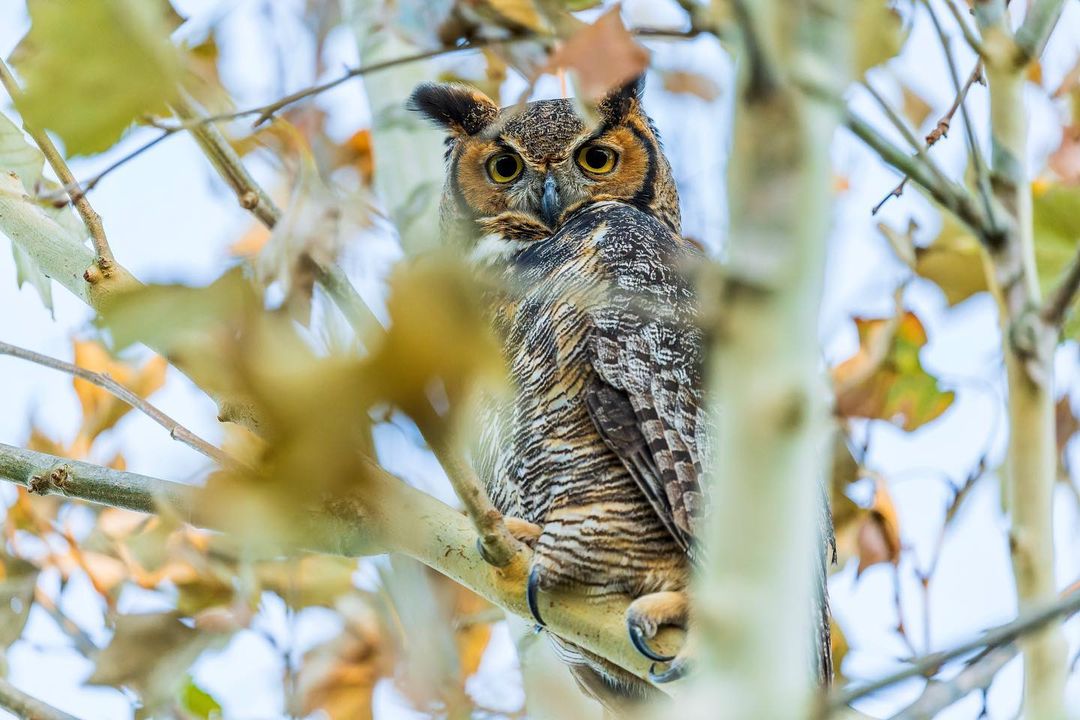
517, 171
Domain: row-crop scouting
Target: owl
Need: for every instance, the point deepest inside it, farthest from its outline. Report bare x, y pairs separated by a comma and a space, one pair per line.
597, 460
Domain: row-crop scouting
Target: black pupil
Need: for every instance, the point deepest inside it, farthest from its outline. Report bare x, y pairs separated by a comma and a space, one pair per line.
596, 158
505, 166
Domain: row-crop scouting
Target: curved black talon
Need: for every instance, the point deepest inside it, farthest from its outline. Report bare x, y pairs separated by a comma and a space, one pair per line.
676, 671
483, 552
638, 640
531, 588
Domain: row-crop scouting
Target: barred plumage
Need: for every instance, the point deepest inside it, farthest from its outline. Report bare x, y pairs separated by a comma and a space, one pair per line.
600, 451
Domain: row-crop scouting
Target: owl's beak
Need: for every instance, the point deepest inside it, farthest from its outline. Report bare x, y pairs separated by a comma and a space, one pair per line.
550, 206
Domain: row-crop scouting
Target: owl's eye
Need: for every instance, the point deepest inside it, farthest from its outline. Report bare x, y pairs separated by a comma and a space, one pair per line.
596, 159
504, 167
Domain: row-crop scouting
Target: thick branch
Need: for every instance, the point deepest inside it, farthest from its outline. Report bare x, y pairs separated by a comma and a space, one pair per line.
1042, 17
26, 706
104, 381
371, 521
78, 198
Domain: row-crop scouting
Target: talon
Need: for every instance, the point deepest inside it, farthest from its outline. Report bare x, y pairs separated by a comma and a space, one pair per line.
639, 641
531, 588
483, 552
674, 672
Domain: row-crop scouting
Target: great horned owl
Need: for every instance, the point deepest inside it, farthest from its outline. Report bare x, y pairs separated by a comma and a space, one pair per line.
597, 461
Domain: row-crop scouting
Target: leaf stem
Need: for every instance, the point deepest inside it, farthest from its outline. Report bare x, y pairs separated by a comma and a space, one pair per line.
90, 218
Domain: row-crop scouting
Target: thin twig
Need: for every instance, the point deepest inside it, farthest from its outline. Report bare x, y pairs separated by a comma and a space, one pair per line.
104, 381
941, 129
83, 642
27, 706
75, 191
499, 545
982, 172
1056, 307
977, 675
90, 218
972, 38
1068, 604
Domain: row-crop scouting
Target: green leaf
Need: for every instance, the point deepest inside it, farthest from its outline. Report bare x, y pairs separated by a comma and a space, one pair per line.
17, 583
93, 67
879, 34
1057, 238
26, 161
198, 703
954, 260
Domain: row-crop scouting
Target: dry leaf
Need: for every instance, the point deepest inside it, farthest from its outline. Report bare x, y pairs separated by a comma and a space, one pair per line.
681, 81
879, 535
1065, 160
954, 261
101, 409
915, 108
603, 55
885, 379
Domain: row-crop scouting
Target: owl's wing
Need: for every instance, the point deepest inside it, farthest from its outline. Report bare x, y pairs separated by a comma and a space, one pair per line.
646, 402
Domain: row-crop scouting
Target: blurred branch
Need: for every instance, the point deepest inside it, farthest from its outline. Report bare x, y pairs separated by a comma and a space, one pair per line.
1042, 16
1028, 623
104, 381
982, 174
972, 39
26, 706
82, 641
1028, 346
762, 80
977, 675
91, 219
369, 521
254, 198
1056, 307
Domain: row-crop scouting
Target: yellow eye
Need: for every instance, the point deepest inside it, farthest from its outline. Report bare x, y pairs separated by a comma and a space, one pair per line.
504, 167
597, 160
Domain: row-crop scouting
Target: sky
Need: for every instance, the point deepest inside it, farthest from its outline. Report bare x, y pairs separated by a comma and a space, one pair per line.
170, 220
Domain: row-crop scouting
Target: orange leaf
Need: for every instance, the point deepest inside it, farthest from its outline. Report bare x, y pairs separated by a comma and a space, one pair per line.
101, 409
604, 55
885, 379
358, 151
251, 242
879, 536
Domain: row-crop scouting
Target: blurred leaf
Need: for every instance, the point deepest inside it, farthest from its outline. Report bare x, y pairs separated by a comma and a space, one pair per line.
357, 152
879, 535
92, 68
604, 56
339, 676
18, 578
470, 615
198, 703
885, 379
1057, 237
105, 572
26, 161
1065, 160
1034, 72
439, 344
309, 580
954, 261
101, 409
151, 654
681, 81
902, 243
879, 34
514, 14
839, 652
915, 108
1067, 424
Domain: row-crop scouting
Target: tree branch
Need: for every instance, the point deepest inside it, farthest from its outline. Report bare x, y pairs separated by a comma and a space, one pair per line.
107, 383
1028, 623
978, 675
26, 706
368, 522
1042, 16
90, 218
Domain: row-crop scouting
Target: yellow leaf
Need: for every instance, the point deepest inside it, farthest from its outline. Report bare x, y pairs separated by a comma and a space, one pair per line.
954, 261
878, 32
93, 68
101, 409
915, 108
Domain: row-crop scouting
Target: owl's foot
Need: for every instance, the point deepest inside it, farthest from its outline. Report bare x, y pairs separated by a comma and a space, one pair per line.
645, 616
524, 531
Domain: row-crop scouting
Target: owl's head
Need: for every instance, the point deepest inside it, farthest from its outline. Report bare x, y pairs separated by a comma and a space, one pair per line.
524, 168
